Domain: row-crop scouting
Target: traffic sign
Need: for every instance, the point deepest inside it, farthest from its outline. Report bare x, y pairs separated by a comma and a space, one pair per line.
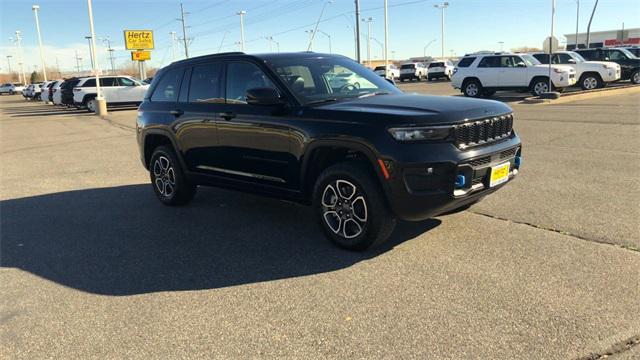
140, 55
554, 44
138, 39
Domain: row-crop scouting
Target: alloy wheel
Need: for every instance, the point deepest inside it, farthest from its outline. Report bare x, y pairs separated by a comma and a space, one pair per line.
590, 83
636, 78
164, 176
91, 105
471, 89
344, 209
540, 87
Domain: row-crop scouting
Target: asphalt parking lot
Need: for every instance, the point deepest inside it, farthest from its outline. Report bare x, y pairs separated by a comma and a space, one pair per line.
92, 266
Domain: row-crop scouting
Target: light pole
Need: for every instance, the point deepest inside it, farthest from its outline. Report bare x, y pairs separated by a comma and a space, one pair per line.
20, 56
241, 14
90, 50
386, 41
270, 40
184, 32
577, 21
328, 37
442, 6
357, 30
368, 21
9, 61
78, 59
313, 34
110, 50
101, 104
35, 9
501, 45
424, 50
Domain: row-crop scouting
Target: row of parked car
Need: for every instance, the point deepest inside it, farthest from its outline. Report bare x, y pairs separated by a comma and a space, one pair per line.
482, 74
80, 92
417, 71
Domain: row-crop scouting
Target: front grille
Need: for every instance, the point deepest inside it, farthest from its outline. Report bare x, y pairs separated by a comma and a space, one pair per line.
480, 161
508, 153
483, 131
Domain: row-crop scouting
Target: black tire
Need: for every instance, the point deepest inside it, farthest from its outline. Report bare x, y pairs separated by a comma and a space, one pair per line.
91, 104
472, 88
590, 81
168, 180
635, 77
374, 221
539, 86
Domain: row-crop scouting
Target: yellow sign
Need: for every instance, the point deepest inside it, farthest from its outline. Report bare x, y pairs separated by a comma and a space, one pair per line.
138, 39
140, 55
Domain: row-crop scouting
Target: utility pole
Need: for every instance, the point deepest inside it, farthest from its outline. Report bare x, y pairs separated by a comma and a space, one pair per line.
78, 59
442, 7
368, 21
328, 37
173, 45
9, 61
224, 36
184, 32
501, 45
357, 30
424, 50
577, 21
90, 50
110, 50
270, 40
589, 26
35, 9
313, 34
310, 33
386, 42
21, 56
241, 13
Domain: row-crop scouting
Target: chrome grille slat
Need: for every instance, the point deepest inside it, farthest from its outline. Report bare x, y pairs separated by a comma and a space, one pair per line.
483, 131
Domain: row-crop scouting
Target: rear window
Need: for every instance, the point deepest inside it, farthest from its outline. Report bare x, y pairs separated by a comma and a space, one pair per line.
466, 62
89, 83
167, 88
436, 64
408, 66
489, 61
587, 54
379, 68
543, 58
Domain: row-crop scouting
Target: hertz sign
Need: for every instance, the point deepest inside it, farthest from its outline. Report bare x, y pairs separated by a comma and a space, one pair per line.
138, 39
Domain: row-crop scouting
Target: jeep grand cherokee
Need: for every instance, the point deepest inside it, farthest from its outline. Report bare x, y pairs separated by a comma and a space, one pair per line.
361, 153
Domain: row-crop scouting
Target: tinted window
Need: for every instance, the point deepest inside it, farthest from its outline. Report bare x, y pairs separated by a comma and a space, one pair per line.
108, 82
126, 82
617, 55
89, 83
408, 66
436, 64
587, 54
242, 76
543, 58
379, 68
167, 88
561, 58
489, 61
466, 62
206, 83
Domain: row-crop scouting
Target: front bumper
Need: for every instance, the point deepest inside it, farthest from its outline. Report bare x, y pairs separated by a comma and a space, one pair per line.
418, 191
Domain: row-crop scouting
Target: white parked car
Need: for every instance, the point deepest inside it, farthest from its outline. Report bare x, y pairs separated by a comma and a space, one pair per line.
393, 71
590, 74
33, 91
56, 91
45, 93
412, 71
440, 69
340, 80
478, 75
11, 88
117, 90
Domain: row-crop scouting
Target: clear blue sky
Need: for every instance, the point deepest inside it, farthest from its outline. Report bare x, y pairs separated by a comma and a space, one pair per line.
470, 25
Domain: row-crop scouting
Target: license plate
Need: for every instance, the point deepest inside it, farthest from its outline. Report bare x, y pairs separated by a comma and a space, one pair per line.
499, 174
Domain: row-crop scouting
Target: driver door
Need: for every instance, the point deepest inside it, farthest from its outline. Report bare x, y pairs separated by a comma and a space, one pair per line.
512, 75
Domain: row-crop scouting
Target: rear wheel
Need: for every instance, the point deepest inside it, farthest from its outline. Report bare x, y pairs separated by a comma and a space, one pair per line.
635, 77
92, 105
169, 182
472, 88
590, 82
351, 207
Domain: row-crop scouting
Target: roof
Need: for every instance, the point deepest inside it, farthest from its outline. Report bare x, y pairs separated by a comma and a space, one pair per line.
262, 56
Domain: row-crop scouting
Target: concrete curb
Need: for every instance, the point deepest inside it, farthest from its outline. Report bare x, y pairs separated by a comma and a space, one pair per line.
584, 95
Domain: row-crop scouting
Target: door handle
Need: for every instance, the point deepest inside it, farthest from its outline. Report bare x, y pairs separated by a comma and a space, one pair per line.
176, 112
227, 115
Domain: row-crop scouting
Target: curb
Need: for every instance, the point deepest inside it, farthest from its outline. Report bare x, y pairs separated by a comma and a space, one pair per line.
584, 95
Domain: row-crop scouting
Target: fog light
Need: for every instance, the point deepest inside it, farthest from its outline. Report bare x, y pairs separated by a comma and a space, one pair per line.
518, 161
460, 181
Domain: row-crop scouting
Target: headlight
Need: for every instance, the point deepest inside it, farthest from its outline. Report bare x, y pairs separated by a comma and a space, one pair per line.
420, 133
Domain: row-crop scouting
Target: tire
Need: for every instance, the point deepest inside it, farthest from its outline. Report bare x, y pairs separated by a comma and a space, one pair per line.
590, 82
635, 77
401, 80
472, 88
351, 208
168, 180
539, 86
91, 105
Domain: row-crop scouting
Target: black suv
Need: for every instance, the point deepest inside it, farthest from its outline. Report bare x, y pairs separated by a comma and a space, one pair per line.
629, 63
322, 130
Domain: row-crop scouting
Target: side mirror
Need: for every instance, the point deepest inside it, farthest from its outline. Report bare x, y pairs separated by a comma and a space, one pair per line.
571, 61
263, 96
521, 64
606, 58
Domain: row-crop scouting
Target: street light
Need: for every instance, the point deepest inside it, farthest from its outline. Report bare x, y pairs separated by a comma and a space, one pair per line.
35, 9
577, 21
20, 56
90, 50
368, 21
9, 61
241, 14
101, 106
424, 50
310, 33
442, 6
110, 50
313, 34
328, 37
501, 45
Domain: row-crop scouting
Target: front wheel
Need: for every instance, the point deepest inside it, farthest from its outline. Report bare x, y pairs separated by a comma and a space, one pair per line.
590, 82
169, 182
635, 77
351, 208
539, 87
472, 88
92, 105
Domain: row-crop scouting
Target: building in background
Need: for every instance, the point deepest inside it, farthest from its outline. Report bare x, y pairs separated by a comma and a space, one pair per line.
605, 38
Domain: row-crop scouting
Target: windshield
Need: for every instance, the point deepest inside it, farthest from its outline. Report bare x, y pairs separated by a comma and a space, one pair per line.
577, 57
628, 53
329, 78
530, 60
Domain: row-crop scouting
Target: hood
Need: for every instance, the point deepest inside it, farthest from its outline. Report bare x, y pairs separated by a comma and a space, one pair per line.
566, 68
416, 109
599, 63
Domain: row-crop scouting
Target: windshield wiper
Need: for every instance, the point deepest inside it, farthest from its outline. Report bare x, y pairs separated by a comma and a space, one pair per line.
373, 94
322, 101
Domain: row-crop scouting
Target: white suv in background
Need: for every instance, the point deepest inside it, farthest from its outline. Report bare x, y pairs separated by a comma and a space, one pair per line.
393, 72
411, 71
440, 69
590, 74
480, 75
11, 88
117, 90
